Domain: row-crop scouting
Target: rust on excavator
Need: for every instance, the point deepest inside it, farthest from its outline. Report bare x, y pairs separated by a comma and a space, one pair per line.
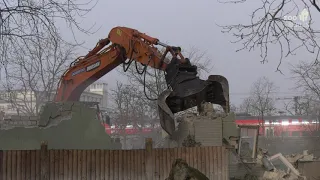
185, 88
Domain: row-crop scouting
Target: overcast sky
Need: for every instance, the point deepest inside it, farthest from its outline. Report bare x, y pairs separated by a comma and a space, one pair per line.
187, 23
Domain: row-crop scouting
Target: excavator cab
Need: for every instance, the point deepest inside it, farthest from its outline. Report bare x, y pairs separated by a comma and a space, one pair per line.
187, 90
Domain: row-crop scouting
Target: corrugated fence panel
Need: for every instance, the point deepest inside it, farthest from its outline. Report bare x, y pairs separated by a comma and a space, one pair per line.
110, 164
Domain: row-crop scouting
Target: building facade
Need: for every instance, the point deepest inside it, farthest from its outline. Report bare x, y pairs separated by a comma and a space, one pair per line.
20, 102
96, 92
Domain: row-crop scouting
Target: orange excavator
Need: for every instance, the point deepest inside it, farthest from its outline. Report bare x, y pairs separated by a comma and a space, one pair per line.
185, 89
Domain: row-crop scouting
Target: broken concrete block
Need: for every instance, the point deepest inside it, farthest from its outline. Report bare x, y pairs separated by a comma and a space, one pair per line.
274, 175
206, 109
182, 171
285, 162
306, 156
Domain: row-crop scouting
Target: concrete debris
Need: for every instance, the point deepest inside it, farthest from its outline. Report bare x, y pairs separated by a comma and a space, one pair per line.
205, 109
305, 156
281, 175
274, 175
190, 141
209, 109
260, 155
182, 171
272, 172
284, 160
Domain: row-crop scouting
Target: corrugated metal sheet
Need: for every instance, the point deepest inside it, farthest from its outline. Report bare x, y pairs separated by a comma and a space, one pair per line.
110, 164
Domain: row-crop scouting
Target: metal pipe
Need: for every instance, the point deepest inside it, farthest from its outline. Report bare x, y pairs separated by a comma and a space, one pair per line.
162, 44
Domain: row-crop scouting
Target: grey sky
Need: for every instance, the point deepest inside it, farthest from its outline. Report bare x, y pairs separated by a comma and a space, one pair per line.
192, 23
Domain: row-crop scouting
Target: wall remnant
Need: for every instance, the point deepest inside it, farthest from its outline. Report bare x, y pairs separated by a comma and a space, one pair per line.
207, 128
81, 131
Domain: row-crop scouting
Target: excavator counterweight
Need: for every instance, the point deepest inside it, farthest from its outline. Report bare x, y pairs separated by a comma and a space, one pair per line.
185, 88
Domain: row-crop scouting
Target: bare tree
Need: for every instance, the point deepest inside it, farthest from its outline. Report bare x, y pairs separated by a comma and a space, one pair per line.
246, 106
34, 72
233, 108
152, 82
307, 79
306, 106
260, 102
131, 107
301, 105
285, 23
23, 21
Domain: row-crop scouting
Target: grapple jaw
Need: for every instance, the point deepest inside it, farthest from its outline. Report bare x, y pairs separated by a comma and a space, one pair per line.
189, 91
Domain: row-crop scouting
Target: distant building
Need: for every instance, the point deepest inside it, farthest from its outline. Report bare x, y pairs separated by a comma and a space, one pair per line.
97, 92
98, 88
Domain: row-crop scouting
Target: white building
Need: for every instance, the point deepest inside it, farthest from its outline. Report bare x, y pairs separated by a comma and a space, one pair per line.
97, 92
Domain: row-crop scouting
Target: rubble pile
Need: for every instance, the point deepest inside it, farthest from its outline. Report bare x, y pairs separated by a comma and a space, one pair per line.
274, 173
280, 175
182, 171
305, 156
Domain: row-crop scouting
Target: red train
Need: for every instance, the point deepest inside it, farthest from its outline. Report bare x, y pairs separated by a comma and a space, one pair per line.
272, 126
282, 125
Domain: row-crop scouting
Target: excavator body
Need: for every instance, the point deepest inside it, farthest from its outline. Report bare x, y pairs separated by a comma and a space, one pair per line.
185, 88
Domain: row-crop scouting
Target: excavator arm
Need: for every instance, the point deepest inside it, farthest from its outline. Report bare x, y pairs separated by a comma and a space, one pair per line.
126, 45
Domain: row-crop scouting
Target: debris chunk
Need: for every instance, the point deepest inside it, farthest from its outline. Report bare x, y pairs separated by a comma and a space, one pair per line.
182, 171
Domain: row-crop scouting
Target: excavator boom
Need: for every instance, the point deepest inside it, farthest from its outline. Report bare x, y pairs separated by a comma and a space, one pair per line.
126, 45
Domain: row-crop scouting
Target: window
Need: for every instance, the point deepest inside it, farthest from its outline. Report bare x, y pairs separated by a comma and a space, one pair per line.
248, 142
269, 131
